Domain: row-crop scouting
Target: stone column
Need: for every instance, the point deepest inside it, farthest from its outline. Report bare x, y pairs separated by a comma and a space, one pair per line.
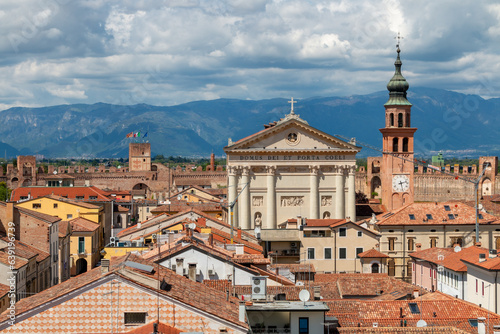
269, 222
232, 192
244, 204
314, 192
351, 193
339, 192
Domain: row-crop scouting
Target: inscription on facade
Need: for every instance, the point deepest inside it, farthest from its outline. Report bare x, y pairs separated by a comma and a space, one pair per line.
292, 200
289, 157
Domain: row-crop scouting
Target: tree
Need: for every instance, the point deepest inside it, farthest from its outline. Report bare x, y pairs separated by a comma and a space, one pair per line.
4, 192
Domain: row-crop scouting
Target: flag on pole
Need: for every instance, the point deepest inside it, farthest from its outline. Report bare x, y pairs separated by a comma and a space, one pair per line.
145, 135
139, 134
129, 135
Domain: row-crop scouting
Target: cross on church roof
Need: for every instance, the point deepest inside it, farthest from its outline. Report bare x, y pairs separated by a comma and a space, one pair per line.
399, 38
292, 102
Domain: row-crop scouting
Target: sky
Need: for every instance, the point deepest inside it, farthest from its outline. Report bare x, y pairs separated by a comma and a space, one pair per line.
174, 51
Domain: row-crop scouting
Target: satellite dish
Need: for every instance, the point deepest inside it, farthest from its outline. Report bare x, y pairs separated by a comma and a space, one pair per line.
457, 248
304, 295
421, 323
54, 172
192, 226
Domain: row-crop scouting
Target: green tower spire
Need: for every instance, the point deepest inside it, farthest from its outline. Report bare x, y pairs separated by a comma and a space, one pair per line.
397, 86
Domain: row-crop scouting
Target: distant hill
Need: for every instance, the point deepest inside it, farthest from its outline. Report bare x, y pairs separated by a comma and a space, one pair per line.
457, 124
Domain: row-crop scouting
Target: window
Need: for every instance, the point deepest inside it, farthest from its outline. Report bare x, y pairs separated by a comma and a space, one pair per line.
412, 216
400, 120
81, 245
391, 243
394, 144
473, 322
480, 216
428, 216
80, 197
451, 216
303, 325
405, 144
342, 232
328, 253
360, 233
92, 197
342, 253
69, 216
55, 205
358, 251
132, 318
414, 308
411, 244
447, 208
433, 242
310, 253
36, 205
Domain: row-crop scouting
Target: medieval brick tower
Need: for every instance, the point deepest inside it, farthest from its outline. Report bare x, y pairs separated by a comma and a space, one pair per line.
139, 157
397, 159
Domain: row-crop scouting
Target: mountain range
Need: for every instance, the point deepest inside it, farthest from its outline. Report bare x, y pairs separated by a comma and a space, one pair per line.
457, 124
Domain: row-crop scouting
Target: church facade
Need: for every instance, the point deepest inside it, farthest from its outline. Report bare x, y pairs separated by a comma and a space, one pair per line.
287, 170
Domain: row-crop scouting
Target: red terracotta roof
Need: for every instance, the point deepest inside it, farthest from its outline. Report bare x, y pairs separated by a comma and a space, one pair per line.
80, 224
450, 259
149, 328
68, 192
72, 201
4, 258
64, 228
38, 215
120, 208
458, 214
323, 222
26, 251
454, 313
372, 253
180, 288
4, 289
295, 267
492, 264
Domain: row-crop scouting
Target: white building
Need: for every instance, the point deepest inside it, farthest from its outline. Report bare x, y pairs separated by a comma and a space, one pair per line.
290, 169
483, 281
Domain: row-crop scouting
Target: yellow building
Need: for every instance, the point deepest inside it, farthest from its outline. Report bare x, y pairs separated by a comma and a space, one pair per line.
68, 209
84, 245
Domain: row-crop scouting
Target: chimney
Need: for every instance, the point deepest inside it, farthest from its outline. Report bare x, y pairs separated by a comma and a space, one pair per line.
415, 293
239, 233
202, 221
211, 239
493, 253
299, 221
482, 257
481, 328
104, 266
242, 312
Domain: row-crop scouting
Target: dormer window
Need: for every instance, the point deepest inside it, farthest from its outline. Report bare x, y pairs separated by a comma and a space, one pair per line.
451, 216
412, 216
428, 216
447, 208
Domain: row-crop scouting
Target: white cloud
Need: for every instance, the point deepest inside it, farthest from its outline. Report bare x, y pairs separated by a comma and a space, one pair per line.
167, 52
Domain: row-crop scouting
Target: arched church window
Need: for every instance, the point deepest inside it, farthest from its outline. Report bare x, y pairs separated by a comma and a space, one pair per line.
394, 144
391, 117
405, 144
400, 120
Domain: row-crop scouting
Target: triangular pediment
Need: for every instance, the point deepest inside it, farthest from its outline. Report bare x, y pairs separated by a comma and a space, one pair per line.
292, 136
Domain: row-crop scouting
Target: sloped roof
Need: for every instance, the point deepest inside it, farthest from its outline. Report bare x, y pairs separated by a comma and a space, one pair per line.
450, 259
462, 214
454, 313
80, 224
372, 253
68, 192
26, 251
181, 289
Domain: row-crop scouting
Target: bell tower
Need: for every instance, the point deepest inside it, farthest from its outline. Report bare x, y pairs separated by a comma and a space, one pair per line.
397, 158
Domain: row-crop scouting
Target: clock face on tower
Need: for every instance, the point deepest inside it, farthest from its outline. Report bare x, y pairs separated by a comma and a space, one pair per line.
400, 183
